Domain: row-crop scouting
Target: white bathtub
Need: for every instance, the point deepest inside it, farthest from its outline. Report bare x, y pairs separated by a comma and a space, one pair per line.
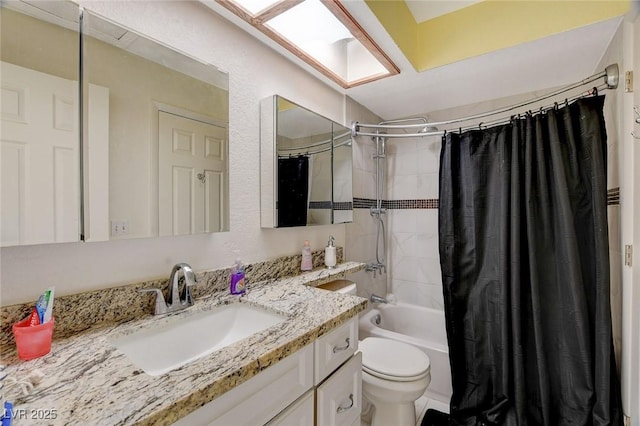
421, 327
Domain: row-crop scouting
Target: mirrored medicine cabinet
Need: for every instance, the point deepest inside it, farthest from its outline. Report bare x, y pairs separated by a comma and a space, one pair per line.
153, 136
306, 167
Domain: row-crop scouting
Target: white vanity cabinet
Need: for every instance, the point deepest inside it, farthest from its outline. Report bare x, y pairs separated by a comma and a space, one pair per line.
338, 395
319, 384
334, 348
300, 413
338, 399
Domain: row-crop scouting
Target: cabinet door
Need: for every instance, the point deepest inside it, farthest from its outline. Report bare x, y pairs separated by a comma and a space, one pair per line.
260, 398
300, 413
339, 398
334, 348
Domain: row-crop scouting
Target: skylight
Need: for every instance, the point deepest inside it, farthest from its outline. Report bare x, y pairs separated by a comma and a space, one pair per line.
320, 32
255, 6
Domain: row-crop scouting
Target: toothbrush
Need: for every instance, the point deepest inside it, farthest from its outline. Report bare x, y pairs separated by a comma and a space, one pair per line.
49, 296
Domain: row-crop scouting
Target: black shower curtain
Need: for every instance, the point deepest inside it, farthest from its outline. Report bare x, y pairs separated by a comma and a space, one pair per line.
293, 191
525, 267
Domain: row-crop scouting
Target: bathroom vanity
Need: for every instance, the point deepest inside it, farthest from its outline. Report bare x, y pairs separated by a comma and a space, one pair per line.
326, 374
277, 375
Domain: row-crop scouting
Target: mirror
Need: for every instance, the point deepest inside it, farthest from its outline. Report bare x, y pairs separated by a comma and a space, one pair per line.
39, 133
306, 167
154, 132
161, 119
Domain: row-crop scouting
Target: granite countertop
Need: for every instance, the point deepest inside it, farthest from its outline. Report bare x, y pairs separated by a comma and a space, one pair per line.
88, 381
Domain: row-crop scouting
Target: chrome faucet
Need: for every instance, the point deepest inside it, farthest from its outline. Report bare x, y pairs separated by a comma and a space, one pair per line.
374, 267
176, 299
377, 299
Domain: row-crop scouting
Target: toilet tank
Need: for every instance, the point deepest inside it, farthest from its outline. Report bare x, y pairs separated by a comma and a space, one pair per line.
340, 286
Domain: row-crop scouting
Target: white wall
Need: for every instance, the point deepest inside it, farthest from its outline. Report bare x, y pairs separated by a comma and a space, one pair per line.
633, 340
629, 155
255, 72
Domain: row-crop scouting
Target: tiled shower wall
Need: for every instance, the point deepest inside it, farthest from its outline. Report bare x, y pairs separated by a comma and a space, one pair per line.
411, 221
414, 263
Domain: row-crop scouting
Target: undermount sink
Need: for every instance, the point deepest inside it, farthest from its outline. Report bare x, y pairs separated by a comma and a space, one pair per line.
175, 342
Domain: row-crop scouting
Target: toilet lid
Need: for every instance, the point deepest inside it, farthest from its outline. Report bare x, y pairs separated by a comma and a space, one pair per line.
393, 360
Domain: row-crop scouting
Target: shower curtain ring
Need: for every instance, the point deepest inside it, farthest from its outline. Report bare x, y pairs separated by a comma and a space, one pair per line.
480, 125
594, 91
555, 106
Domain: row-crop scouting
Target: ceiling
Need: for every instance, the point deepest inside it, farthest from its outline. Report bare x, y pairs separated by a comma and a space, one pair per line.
423, 10
554, 60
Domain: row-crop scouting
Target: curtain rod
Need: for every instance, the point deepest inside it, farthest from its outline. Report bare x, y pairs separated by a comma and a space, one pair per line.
298, 148
611, 78
345, 143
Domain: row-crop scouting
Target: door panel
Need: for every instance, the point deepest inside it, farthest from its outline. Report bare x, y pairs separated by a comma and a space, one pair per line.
40, 175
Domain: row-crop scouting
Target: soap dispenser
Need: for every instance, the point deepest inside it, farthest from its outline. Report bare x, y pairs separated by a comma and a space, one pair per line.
330, 254
237, 281
307, 259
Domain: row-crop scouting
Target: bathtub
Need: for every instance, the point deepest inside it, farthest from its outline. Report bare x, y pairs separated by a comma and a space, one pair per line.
421, 327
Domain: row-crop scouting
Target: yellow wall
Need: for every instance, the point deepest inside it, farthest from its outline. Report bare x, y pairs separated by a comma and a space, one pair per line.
486, 26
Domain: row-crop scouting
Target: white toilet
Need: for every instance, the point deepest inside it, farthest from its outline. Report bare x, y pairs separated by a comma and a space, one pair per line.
394, 374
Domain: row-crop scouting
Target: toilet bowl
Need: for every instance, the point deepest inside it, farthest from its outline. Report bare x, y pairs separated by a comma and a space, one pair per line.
394, 374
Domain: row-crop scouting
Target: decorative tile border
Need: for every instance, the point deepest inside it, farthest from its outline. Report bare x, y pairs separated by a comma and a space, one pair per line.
613, 196
431, 203
320, 205
326, 205
343, 205
366, 203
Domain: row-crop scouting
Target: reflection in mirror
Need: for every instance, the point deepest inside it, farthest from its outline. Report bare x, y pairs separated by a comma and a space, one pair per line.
314, 168
304, 166
161, 120
342, 175
39, 128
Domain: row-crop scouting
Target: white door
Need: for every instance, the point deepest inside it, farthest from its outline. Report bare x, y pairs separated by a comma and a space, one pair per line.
40, 164
192, 175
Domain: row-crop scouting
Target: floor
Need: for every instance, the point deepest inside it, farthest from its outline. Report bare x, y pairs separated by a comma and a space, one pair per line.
422, 405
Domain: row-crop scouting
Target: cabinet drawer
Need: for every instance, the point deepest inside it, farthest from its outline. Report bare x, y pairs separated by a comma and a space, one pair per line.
339, 399
334, 348
300, 413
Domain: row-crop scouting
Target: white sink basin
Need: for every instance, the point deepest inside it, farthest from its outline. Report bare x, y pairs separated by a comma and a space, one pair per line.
177, 341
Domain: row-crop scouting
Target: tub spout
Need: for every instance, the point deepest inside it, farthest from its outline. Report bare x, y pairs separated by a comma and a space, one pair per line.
377, 299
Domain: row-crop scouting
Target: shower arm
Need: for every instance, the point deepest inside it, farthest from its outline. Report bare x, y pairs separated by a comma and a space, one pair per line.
611, 76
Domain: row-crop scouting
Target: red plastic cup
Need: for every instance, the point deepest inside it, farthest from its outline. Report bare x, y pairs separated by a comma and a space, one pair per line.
33, 341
